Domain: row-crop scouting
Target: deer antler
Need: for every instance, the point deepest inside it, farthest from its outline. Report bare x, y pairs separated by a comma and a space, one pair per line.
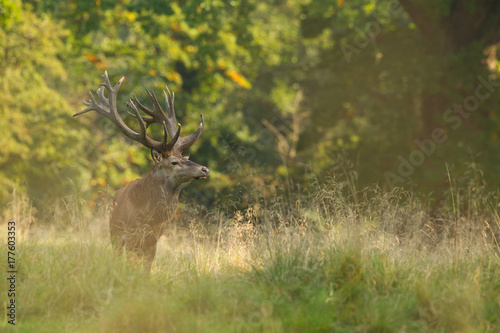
159, 116
107, 107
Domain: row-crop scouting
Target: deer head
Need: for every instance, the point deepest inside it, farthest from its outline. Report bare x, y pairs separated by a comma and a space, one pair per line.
171, 168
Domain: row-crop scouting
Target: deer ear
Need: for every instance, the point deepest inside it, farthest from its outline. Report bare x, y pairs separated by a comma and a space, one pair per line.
156, 155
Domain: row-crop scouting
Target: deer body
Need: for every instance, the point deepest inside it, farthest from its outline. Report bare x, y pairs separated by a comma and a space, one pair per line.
141, 210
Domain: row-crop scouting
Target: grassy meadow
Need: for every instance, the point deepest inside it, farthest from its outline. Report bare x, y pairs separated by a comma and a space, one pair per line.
330, 262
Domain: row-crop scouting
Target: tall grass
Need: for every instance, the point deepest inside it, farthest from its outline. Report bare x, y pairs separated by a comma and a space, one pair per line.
383, 262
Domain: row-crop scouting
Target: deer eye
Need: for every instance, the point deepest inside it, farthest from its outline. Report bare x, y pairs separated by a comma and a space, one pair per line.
175, 163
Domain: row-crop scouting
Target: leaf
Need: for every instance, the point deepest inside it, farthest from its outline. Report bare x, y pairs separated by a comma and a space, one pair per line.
238, 78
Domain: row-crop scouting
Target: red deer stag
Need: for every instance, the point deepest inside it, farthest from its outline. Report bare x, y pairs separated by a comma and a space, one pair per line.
141, 209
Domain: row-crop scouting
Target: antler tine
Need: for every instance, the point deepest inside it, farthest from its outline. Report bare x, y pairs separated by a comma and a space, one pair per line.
186, 141
169, 98
143, 108
112, 92
152, 95
171, 145
89, 104
138, 116
169, 101
160, 116
147, 120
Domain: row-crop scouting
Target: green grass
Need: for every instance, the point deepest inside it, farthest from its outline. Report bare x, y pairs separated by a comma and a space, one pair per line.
323, 266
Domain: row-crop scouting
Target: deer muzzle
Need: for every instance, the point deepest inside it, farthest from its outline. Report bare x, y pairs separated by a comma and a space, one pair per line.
204, 173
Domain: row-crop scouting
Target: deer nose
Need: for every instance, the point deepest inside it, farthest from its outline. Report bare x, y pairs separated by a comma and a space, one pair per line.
205, 171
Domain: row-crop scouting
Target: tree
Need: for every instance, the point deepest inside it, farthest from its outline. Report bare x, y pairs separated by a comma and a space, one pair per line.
461, 31
37, 145
387, 81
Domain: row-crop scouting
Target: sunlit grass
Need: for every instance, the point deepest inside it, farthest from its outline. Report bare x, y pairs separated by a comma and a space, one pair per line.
329, 264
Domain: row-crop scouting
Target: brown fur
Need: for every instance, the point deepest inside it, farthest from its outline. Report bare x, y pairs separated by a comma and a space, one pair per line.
141, 210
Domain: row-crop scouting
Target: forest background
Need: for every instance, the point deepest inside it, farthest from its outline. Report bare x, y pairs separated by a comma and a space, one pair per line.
298, 92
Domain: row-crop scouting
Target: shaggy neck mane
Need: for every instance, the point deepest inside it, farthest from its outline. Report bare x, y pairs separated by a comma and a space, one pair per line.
150, 191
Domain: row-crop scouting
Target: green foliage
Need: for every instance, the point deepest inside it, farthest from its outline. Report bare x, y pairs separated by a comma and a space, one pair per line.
36, 143
9, 13
291, 90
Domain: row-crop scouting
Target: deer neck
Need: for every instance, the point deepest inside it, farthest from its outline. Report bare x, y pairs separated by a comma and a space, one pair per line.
159, 180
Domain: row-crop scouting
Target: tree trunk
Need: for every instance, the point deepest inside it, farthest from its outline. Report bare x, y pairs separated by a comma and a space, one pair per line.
456, 30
